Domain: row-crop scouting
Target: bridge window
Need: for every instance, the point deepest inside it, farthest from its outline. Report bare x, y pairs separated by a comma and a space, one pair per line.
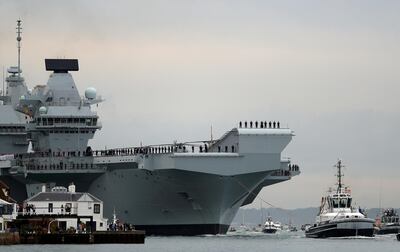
335, 203
343, 203
349, 203
50, 208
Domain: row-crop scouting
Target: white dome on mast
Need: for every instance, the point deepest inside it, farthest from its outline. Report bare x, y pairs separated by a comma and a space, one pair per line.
42, 110
90, 93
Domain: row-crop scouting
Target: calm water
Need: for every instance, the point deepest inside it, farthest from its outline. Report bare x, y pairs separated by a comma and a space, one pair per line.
283, 241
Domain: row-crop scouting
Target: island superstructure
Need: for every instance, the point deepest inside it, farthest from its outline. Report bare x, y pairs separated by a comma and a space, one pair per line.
13, 137
183, 188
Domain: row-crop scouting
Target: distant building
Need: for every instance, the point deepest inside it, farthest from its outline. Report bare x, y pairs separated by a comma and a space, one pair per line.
68, 207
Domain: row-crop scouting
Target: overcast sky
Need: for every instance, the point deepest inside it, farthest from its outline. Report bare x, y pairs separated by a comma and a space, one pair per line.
330, 70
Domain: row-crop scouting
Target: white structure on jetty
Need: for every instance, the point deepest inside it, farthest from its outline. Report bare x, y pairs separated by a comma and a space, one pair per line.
68, 207
8, 207
8, 213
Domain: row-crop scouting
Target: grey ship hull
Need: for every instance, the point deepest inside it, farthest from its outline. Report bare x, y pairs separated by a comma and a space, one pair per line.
174, 202
168, 202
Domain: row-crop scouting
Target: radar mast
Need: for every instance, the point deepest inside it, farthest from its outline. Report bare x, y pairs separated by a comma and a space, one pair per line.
339, 175
19, 38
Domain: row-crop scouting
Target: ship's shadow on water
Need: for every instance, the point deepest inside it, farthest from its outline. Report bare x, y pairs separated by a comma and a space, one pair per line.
351, 238
280, 235
283, 235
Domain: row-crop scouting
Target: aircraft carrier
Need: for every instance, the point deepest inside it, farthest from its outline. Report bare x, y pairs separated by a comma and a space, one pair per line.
185, 188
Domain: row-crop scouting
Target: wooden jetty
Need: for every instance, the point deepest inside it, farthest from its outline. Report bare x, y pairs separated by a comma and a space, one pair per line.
100, 237
9, 238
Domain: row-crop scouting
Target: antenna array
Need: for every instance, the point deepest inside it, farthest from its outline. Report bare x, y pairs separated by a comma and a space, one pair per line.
19, 38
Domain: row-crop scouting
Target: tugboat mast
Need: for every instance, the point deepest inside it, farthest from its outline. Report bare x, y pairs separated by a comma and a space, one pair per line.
19, 28
339, 166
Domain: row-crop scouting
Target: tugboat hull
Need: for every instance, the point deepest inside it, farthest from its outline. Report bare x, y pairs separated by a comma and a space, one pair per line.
388, 230
269, 231
345, 228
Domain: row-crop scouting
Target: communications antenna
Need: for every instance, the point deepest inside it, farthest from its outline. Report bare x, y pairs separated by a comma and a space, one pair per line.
19, 31
339, 175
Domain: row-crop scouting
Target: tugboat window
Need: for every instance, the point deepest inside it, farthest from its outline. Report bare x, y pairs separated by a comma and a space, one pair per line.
349, 203
335, 203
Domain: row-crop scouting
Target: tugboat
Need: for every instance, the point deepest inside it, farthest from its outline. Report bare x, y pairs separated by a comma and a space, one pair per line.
388, 223
337, 217
291, 227
270, 227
